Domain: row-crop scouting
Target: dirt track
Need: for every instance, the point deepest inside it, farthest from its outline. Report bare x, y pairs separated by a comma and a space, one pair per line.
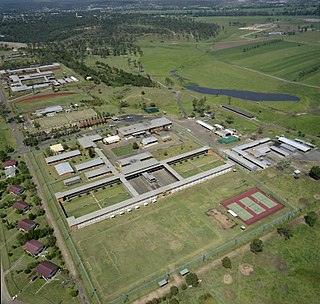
45, 96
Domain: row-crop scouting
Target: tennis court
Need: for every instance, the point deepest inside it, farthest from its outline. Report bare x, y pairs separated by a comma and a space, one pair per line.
252, 206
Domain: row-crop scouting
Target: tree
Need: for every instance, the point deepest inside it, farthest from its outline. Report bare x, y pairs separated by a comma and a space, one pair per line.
192, 279
229, 120
135, 145
91, 153
74, 293
226, 262
315, 172
174, 290
285, 232
311, 218
256, 246
174, 301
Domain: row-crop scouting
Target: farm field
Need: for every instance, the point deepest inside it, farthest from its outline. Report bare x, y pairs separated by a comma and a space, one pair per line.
282, 273
125, 252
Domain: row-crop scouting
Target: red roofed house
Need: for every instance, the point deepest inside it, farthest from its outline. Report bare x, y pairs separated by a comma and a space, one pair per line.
16, 189
47, 269
22, 206
27, 225
9, 163
33, 247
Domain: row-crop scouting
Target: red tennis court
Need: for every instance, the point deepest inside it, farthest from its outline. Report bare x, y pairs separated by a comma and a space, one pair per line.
252, 206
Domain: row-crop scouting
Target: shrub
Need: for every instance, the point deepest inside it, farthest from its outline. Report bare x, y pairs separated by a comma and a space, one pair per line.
226, 262
74, 293
192, 279
174, 290
184, 286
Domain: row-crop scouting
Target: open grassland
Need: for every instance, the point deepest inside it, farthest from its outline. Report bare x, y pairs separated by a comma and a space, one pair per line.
6, 135
123, 253
285, 272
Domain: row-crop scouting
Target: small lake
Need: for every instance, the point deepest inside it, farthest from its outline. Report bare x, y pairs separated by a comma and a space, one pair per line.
248, 95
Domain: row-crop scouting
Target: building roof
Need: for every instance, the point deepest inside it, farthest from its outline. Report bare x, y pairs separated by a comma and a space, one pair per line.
241, 161
88, 141
56, 148
20, 205
184, 271
288, 148
71, 180
32, 246
135, 158
149, 140
10, 172
49, 110
187, 154
111, 139
294, 144
9, 163
280, 151
26, 225
224, 133
63, 168
205, 125
89, 164
97, 172
145, 126
240, 149
45, 268
16, 189
243, 113
62, 156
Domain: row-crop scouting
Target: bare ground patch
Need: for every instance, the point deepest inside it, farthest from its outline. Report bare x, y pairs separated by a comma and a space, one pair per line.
222, 220
227, 279
317, 196
246, 269
231, 44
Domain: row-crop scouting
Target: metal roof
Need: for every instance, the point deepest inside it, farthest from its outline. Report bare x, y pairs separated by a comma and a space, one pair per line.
241, 161
149, 140
97, 172
88, 141
239, 149
280, 151
186, 154
89, 164
205, 125
139, 165
71, 180
135, 158
295, 144
111, 139
63, 168
145, 126
62, 156
49, 110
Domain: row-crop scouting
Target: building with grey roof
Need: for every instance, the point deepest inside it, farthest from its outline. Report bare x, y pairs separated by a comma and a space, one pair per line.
293, 143
151, 140
97, 172
63, 156
279, 151
63, 168
47, 110
205, 125
89, 164
72, 181
135, 158
146, 126
89, 141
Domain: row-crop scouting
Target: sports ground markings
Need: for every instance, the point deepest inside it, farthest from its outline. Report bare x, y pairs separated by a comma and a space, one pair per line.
96, 200
249, 203
244, 214
264, 200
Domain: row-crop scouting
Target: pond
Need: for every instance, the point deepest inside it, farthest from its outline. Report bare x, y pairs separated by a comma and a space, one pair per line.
248, 95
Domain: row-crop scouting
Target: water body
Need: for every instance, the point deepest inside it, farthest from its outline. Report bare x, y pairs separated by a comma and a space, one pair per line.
248, 95
174, 74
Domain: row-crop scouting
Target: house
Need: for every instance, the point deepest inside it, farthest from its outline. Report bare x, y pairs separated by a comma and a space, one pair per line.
33, 247
47, 269
16, 189
10, 163
21, 206
26, 225
10, 172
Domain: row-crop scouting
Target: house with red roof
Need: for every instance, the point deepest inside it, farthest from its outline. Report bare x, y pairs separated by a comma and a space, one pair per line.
21, 206
47, 269
9, 163
33, 247
26, 225
16, 189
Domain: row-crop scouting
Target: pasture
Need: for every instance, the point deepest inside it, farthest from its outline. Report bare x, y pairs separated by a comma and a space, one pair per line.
127, 251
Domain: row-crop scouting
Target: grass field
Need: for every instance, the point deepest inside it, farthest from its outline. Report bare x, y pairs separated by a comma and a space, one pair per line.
125, 252
124, 150
6, 135
197, 165
285, 272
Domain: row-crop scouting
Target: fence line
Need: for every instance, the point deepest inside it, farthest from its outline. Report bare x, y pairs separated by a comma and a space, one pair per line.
211, 253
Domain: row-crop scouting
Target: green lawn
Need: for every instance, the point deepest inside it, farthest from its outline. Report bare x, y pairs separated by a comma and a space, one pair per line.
6, 135
123, 253
123, 150
285, 272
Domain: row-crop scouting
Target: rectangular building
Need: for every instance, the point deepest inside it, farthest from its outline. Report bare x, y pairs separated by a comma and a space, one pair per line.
89, 164
63, 156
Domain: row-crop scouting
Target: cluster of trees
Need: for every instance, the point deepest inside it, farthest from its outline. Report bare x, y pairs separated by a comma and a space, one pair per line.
34, 235
258, 45
199, 106
307, 72
4, 153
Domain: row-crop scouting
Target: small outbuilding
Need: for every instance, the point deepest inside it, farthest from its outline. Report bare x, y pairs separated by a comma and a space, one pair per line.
21, 206
56, 148
163, 282
111, 139
26, 225
33, 247
63, 168
148, 141
47, 269
184, 271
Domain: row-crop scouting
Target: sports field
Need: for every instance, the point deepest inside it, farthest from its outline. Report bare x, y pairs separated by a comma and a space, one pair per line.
195, 165
252, 205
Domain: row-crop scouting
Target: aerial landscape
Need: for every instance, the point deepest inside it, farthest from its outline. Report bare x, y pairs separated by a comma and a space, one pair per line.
159, 152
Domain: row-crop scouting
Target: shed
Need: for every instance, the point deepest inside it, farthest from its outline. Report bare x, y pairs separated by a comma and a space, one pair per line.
163, 282
184, 271
47, 269
26, 225
149, 141
33, 247
72, 181
56, 148
111, 139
